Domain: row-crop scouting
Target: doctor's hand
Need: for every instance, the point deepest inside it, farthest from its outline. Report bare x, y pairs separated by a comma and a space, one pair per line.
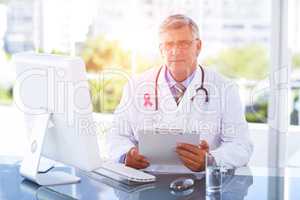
135, 160
192, 156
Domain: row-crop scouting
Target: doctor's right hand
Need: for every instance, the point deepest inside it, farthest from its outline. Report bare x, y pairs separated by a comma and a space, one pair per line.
135, 160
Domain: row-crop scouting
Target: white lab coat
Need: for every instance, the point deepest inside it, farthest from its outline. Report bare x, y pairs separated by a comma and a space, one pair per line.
220, 122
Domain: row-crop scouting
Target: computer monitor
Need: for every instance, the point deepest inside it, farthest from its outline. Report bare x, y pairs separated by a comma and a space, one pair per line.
53, 93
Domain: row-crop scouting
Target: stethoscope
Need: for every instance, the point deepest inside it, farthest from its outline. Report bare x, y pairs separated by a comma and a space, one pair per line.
197, 90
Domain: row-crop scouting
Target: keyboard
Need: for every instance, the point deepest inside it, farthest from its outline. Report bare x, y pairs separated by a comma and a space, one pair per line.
119, 171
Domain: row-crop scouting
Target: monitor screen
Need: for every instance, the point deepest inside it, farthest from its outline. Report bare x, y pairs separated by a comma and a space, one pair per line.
58, 85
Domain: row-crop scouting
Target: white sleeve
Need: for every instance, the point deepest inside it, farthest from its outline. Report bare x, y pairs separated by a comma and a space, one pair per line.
120, 137
236, 147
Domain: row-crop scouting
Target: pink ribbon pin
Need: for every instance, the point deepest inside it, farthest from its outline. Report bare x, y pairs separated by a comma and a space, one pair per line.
147, 101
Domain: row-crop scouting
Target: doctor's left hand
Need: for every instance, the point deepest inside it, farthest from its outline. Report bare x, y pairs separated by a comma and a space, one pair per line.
192, 156
135, 160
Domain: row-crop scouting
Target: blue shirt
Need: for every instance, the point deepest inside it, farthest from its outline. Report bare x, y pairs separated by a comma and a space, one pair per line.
171, 82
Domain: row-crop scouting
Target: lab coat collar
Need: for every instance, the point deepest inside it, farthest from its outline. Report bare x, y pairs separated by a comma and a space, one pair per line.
164, 90
190, 91
196, 82
161, 78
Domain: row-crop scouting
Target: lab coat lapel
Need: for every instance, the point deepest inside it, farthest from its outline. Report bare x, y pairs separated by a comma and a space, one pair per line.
166, 101
185, 102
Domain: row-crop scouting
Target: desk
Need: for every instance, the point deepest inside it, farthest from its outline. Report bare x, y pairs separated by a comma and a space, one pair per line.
240, 186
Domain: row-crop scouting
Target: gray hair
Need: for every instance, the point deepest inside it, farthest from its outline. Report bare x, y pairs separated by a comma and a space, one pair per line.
178, 21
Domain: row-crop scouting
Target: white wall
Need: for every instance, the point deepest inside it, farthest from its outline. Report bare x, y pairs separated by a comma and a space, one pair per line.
261, 140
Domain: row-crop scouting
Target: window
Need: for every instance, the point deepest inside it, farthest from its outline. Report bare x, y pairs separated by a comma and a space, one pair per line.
294, 47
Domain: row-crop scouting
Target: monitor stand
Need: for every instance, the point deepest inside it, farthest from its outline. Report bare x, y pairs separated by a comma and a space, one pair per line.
45, 165
31, 165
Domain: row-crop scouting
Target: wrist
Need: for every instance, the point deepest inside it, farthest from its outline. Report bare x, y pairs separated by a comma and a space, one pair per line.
122, 158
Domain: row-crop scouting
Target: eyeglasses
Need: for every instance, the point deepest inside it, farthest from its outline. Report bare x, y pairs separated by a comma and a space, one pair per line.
182, 44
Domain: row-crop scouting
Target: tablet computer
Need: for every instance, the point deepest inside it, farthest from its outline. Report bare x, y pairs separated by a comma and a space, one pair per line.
159, 147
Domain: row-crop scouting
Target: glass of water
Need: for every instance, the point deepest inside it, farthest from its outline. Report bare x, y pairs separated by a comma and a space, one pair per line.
213, 175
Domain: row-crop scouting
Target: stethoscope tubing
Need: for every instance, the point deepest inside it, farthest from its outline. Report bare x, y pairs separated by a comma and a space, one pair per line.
197, 90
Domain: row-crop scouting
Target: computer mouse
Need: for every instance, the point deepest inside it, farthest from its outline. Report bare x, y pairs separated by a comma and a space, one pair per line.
181, 184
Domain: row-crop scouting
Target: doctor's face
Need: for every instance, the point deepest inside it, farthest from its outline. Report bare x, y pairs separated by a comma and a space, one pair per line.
180, 49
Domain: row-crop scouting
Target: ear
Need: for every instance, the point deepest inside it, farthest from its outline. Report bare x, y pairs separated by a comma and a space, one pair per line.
199, 46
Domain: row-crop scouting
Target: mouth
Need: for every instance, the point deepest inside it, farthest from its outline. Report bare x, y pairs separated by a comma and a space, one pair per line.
176, 60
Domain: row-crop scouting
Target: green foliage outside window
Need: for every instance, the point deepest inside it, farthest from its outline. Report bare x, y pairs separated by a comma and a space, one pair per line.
249, 62
5, 95
101, 55
106, 94
296, 60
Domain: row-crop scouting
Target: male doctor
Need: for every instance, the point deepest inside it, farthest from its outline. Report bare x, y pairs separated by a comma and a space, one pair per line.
181, 94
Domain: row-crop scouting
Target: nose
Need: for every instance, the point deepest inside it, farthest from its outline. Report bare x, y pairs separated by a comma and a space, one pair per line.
174, 50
